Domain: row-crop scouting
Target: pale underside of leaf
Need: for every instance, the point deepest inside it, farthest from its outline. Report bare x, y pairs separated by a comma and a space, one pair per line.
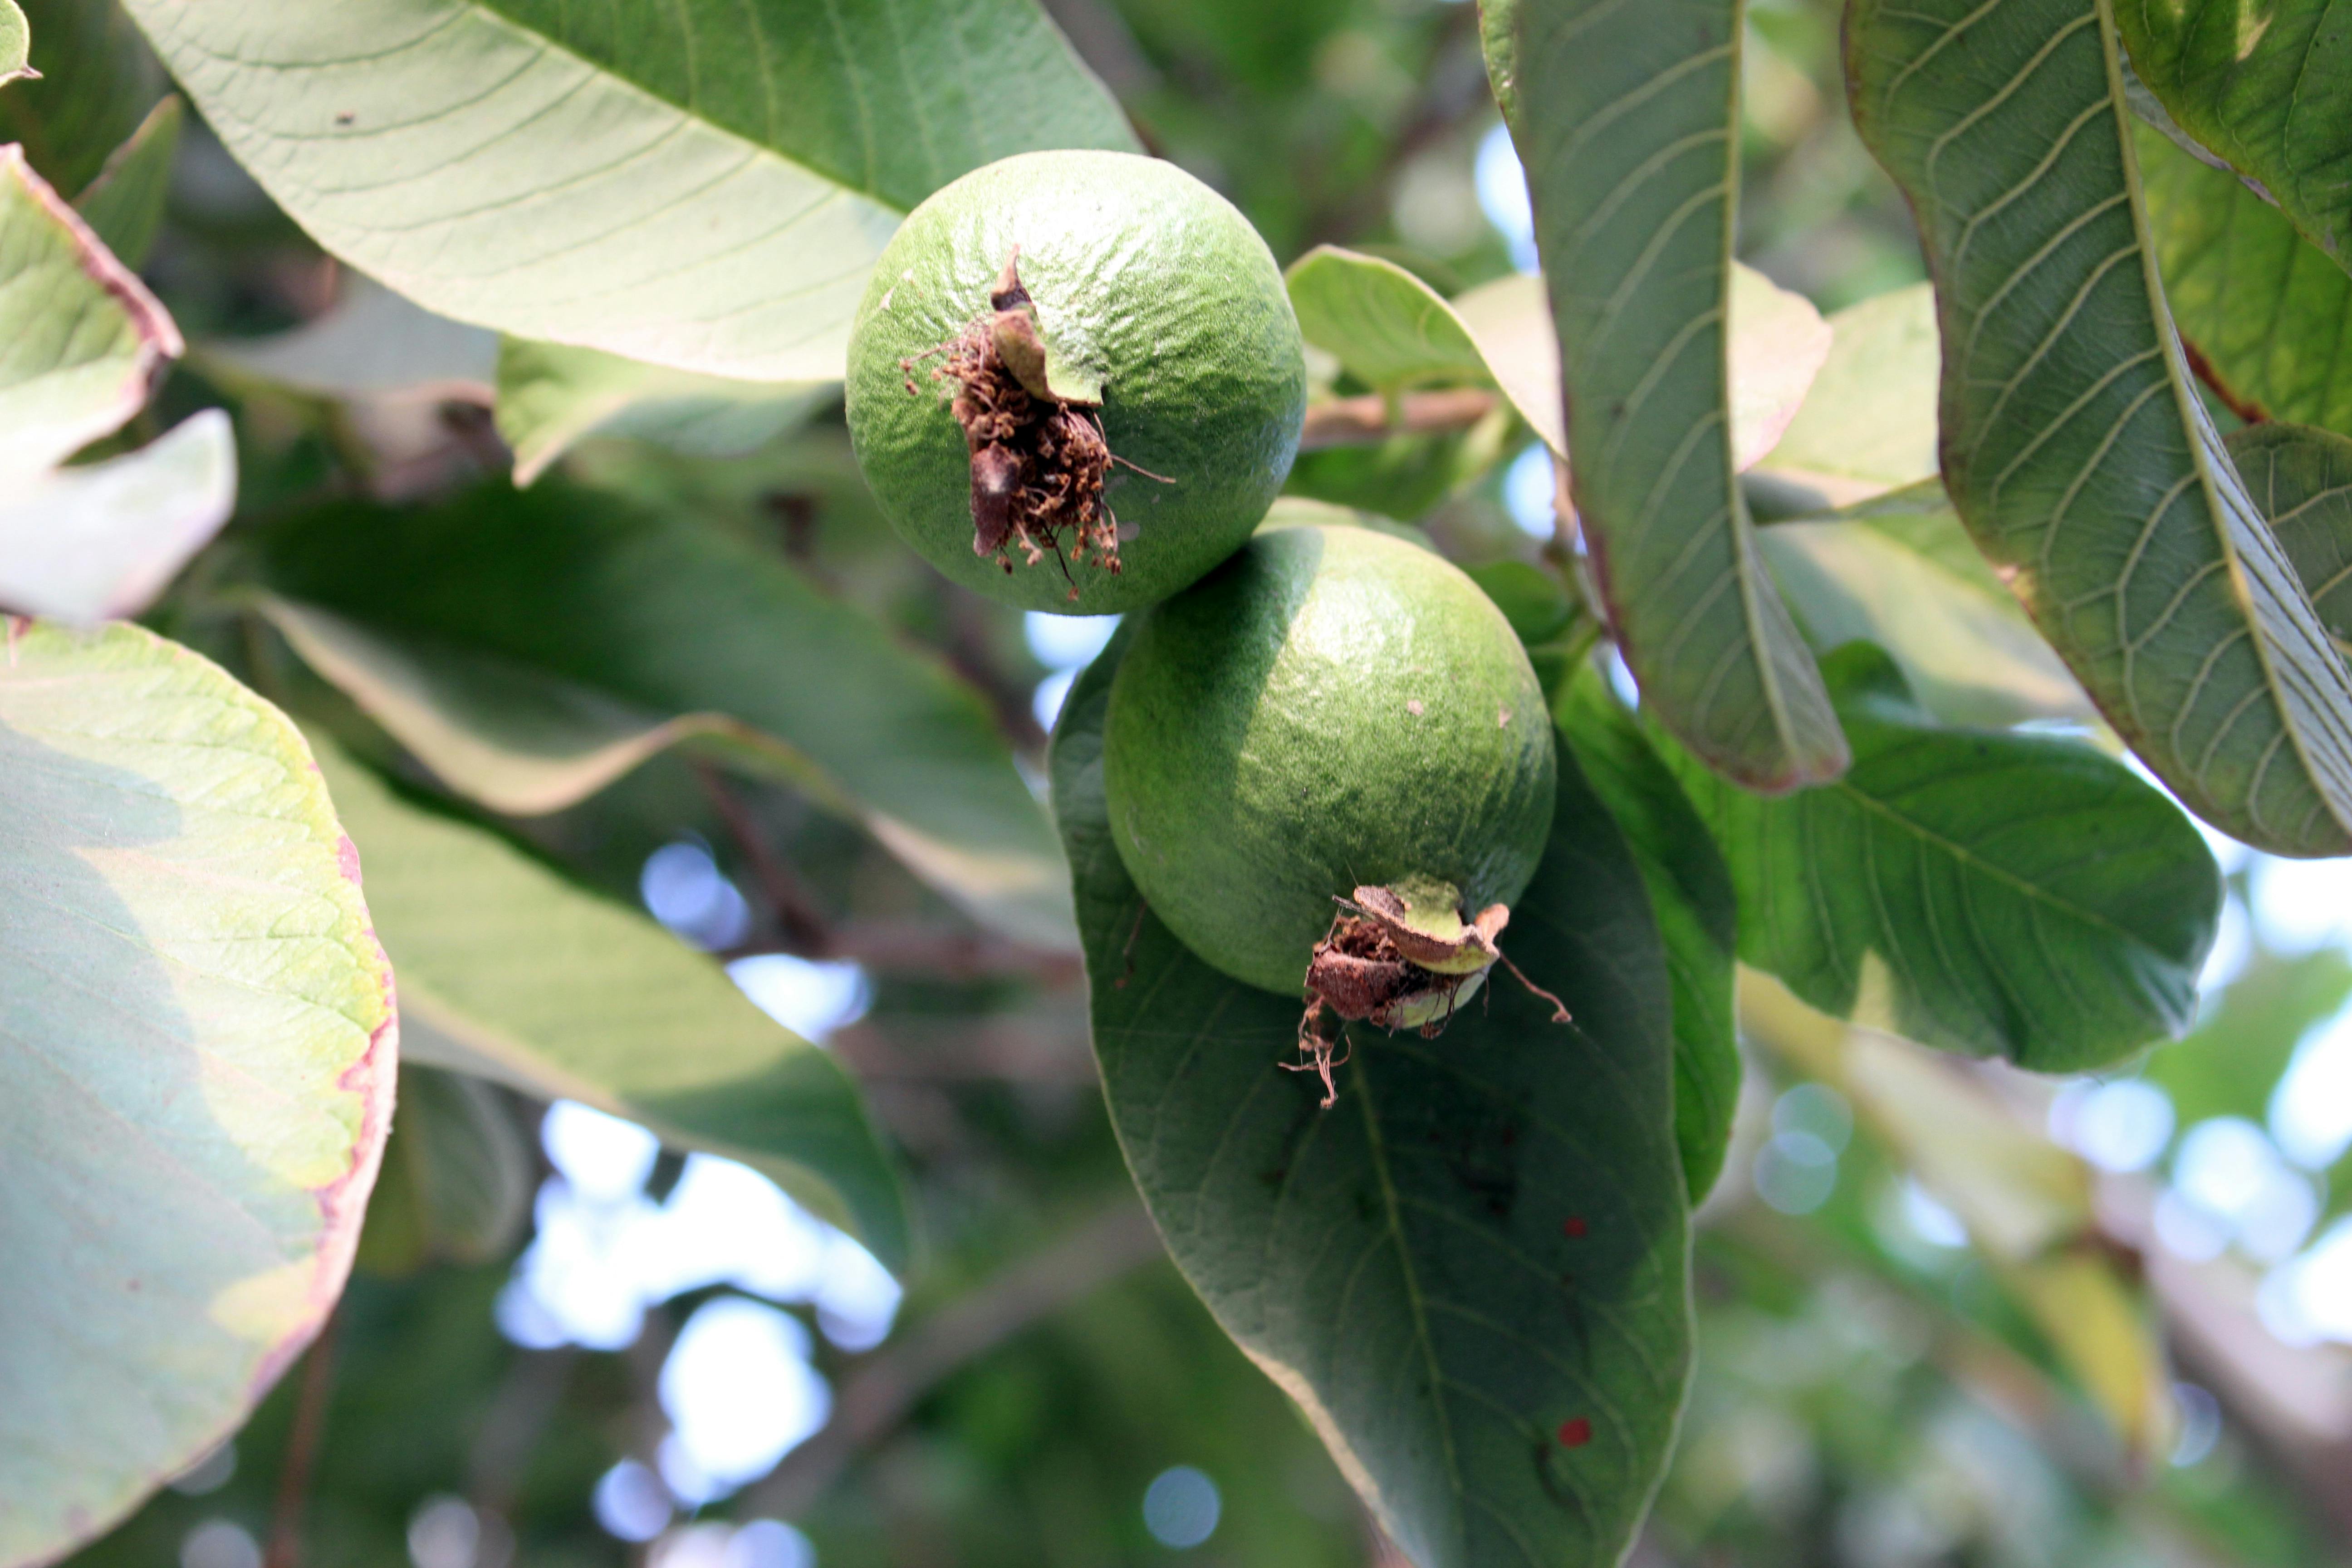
370, 343
1626, 123
196, 1066
81, 340
16, 43
510, 972
2074, 446
2302, 478
100, 541
1868, 424
124, 206
627, 182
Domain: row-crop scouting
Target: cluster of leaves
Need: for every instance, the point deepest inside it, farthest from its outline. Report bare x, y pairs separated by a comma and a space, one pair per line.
1896, 588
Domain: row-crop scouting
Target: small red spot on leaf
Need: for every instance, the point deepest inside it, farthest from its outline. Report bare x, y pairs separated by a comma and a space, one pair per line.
1575, 1434
1574, 1227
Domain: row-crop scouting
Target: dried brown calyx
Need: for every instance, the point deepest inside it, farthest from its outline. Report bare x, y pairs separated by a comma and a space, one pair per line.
1039, 461
1401, 958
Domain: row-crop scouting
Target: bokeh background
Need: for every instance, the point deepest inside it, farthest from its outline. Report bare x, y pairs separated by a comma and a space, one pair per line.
627, 1357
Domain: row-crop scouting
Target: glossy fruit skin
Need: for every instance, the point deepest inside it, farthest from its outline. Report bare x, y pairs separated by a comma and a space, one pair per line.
1262, 753
1141, 273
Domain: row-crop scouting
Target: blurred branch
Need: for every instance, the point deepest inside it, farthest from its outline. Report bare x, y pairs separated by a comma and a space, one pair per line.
302, 1456
886, 1387
983, 1052
1370, 419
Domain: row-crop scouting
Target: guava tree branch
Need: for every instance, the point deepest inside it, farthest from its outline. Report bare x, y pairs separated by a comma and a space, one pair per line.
1369, 420
877, 1396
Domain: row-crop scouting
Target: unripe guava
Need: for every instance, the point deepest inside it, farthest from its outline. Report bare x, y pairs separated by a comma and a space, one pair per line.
1076, 383
1331, 755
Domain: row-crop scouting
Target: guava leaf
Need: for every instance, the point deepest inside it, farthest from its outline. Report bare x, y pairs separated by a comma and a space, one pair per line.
369, 345
550, 397
2302, 478
100, 541
1389, 328
2271, 312
2076, 448
1984, 891
702, 189
1900, 571
16, 43
197, 1060
510, 972
539, 641
1470, 1273
1868, 422
457, 1179
1690, 895
81, 340
2268, 89
98, 81
1627, 121
124, 206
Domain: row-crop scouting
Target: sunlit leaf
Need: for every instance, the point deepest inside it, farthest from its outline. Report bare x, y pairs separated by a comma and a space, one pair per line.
124, 206
1470, 1271
197, 1060
551, 396
2075, 448
1992, 893
1868, 422
1691, 898
508, 970
2268, 87
1626, 119
2271, 312
101, 540
1900, 571
81, 340
531, 646
700, 188
1385, 326
16, 43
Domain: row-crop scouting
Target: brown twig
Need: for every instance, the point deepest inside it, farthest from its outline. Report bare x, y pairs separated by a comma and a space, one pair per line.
2236, 402
1367, 420
303, 1442
803, 924
889, 1383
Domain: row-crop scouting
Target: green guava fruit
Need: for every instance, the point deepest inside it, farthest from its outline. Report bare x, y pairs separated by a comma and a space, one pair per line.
1331, 769
1076, 383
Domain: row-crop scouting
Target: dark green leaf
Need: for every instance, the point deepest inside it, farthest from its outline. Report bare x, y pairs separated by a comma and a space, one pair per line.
508, 970
1988, 892
98, 80
1690, 894
2269, 313
1471, 1272
2267, 88
457, 1178
2075, 448
704, 188
1626, 120
531, 646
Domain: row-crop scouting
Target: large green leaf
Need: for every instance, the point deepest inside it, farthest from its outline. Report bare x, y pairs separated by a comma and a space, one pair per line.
101, 540
1627, 118
1471, 1272
510, 972
2302, 478
1988, 892
531, 646
2267, 86
1387, 327
2271, 313
2074, 446
701, 187
124, 206
197, 1060
1690, 894
1899, 571
81, 340
550, 397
